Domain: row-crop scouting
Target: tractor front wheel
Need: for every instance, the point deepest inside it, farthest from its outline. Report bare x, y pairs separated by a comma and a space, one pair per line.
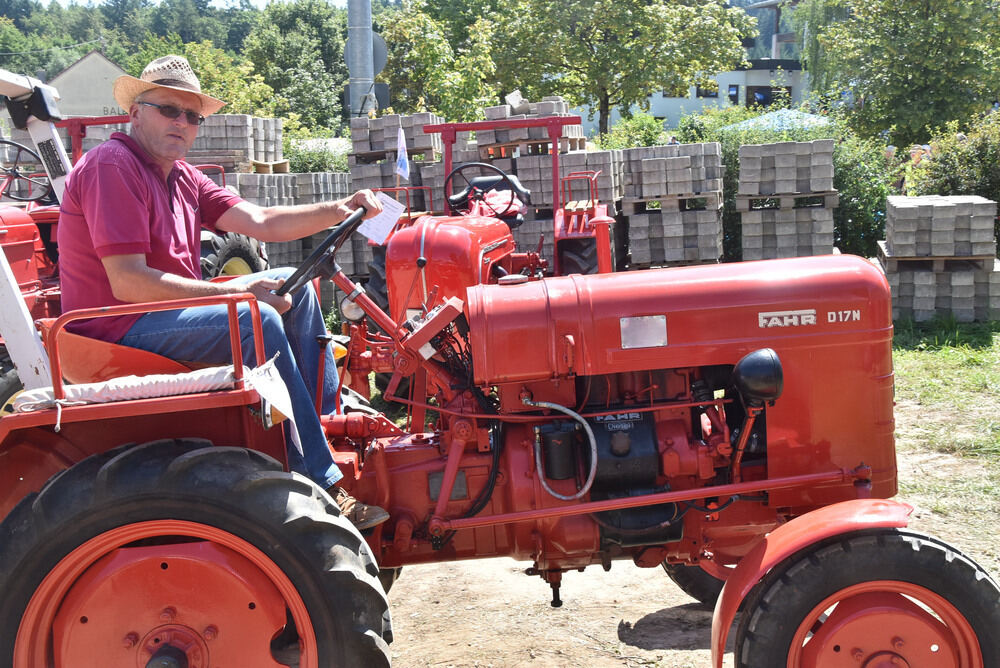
179, 551
878, 598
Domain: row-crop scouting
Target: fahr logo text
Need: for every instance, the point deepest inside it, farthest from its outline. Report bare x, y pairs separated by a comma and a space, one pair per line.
803, 317
787, 318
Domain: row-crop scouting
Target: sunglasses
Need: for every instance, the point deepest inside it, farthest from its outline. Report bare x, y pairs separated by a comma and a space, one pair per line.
172, 112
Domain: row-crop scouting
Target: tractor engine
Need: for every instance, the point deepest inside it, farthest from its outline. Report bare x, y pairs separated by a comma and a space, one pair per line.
610, 388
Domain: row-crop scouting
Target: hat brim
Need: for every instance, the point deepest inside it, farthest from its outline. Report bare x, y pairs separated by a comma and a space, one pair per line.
126, 88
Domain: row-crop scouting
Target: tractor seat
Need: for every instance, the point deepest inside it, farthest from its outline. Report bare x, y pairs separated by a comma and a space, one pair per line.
487, 183
86, 360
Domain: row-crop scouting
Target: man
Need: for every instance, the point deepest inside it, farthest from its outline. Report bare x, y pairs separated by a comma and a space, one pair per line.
129, 231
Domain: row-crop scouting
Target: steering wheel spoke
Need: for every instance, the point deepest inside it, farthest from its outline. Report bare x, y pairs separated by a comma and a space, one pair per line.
13, 174
472, 192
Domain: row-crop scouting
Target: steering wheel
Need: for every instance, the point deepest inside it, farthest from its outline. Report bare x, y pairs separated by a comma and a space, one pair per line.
322, 253
471, 189
10, 172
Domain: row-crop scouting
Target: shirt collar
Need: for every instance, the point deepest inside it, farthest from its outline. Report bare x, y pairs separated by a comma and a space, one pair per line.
140, 152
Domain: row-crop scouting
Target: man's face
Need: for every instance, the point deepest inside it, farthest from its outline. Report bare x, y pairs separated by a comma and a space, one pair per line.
165, 139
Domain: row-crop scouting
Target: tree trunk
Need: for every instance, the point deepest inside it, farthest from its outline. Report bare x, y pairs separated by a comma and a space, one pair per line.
603, 110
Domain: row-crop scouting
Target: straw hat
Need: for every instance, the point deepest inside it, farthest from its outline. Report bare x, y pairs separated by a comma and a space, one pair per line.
173, 72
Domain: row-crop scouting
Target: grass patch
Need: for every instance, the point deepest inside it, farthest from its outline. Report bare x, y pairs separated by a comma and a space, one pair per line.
950, 374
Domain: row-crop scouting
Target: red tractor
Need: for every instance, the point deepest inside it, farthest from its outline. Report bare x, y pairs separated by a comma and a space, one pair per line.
429, 259
733, 422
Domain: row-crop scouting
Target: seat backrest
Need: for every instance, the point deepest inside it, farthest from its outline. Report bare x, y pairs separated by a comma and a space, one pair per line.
86, 360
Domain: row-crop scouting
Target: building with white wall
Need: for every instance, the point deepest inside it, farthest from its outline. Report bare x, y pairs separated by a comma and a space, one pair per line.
85, 87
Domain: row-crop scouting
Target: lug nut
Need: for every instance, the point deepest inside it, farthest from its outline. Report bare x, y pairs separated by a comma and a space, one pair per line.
897, 643
129, 641
210, 632
857, 654
168, 614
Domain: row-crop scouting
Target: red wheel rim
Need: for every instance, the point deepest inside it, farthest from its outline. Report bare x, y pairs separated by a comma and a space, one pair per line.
34, 643
885, 624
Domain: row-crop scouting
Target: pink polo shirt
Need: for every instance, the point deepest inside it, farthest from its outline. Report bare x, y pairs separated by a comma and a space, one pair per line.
116, 203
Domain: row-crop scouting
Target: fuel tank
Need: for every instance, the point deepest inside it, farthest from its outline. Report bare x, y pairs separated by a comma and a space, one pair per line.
456, 252
828, 318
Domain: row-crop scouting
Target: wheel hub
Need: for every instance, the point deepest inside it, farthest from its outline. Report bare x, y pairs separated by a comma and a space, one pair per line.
880, 629
187, 605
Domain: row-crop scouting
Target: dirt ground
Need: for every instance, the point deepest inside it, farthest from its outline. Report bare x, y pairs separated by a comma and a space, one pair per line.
489, 613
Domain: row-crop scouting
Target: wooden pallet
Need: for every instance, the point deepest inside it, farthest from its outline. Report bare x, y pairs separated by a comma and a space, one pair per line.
688, 202
530, 147
827, 200
894, 263
371, 157
638, 266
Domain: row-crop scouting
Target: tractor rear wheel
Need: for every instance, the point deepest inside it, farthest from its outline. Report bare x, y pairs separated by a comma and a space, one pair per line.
197, 554
695, 582
874, 598
577, 256
10, 384
230, 254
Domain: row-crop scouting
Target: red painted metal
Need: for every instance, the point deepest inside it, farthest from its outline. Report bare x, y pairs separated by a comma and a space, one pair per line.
54, 337
789, 538
895, 632
106, 602
78, 129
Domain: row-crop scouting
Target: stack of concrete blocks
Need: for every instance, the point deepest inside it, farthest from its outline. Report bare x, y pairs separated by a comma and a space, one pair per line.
786, 168
673, 199
652, 172
940, 257
549, 106
279, 189
535, 173
798, 176
382, 134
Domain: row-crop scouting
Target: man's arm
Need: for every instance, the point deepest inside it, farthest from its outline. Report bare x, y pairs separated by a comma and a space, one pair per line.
286, 223
132, 280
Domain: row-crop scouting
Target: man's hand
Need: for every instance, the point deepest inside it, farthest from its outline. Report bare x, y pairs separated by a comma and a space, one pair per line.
263, 290
367, 199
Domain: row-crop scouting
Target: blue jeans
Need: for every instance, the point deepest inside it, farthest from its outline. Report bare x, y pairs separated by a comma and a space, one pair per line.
202, 335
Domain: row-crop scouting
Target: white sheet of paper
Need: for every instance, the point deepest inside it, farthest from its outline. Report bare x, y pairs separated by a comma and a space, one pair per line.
269, 385
380, 227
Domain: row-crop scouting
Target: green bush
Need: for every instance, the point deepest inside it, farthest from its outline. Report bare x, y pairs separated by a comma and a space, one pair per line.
861, 174
639, 130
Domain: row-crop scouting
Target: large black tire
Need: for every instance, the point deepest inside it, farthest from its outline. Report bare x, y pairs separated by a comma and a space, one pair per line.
10, 384
233, 495
695, 582
577, 256
376, 285
883, 563
231, 254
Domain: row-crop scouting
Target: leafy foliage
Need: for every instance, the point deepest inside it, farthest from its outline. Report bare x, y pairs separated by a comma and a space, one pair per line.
427, 73
640, 130
615, 53
910, 64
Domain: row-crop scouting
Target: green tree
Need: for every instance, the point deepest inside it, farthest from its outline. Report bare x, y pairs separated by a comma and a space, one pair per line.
812, 19
425, 72
910, 64
232, 80
298, 48
615, 53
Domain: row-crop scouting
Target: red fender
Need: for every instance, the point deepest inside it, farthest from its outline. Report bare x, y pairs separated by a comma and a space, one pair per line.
790, 538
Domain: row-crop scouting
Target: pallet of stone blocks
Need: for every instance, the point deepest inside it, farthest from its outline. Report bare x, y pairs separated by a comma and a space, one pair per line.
969, 294
528, 141
669, 238
529, 233
941, 227
535, 173
684, 171
786, 168
776, 233
382, 174
375, 135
